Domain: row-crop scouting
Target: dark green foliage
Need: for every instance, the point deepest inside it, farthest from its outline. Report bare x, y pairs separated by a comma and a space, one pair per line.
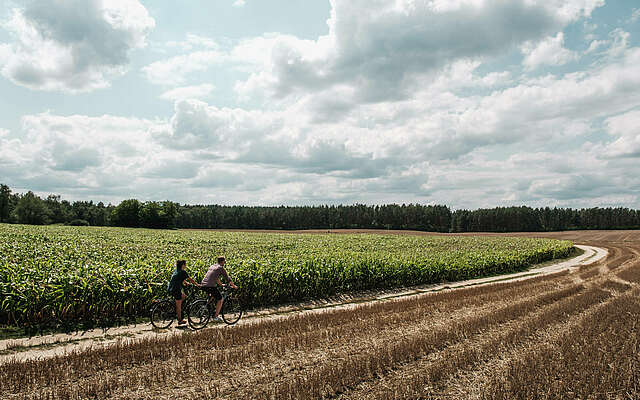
359, 216
6, 200
158, 215
31, 209
527, 219
431, 218
127, 214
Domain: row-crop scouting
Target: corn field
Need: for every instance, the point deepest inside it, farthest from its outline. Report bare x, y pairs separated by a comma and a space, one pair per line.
58, 274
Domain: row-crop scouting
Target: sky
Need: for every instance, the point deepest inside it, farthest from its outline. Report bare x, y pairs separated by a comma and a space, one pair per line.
465, 103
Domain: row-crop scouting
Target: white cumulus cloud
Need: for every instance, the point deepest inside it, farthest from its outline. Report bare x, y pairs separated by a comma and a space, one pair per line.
550, 51
73, 46
382, 48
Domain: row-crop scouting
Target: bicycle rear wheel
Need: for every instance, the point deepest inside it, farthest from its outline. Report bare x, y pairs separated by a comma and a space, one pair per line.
198, 314
162, 314
231, 311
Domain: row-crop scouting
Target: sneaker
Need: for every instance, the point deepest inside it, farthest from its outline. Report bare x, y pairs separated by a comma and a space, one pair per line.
182, 322
217, 319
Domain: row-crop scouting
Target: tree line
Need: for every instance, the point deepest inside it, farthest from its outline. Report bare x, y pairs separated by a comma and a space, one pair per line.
28, 208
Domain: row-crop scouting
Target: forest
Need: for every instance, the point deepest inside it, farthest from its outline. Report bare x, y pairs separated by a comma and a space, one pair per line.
29, 208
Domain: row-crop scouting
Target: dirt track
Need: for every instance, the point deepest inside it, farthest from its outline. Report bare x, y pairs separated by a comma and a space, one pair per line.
520, 339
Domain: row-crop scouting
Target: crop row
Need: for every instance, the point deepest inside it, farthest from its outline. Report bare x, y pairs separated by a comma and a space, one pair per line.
58, 273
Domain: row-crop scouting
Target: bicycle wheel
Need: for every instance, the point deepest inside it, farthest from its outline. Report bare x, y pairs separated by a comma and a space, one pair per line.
163, 314
231, 311
198, 314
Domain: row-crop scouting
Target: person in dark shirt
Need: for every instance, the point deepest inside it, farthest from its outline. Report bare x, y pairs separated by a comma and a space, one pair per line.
211, 279
175, 287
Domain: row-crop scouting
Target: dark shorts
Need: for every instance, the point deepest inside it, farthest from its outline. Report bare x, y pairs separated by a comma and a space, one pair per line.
212, 290
176, 295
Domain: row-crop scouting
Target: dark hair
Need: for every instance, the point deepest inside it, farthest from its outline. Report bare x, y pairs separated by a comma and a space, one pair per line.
179, 264
221, 259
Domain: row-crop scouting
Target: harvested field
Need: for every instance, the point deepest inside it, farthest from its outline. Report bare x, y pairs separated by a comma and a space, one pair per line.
564, 335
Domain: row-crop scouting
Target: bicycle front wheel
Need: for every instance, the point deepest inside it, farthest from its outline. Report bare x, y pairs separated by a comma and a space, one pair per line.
231, 311
198, 314
162, 314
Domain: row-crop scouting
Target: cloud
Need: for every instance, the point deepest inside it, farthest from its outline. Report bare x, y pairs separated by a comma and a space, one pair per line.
5, 53
603, 91
276, 139
574, 178
308, 134
225, 176
196, 125
79, 152
194, 41
170, 168
595, 45
619, 42
431, 146
573, 186
73, 46
396, 104
203, 53
174, 71
239, 3
626, 127
381, 48
188, 92
550, 51
68, 159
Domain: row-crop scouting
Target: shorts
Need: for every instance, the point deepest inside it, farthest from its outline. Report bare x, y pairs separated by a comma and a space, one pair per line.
212, 290
176, 295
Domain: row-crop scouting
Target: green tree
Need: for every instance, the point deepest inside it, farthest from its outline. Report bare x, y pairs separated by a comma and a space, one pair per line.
31, 209
60, 211
127, 213
169, 214
150, 215
5, 203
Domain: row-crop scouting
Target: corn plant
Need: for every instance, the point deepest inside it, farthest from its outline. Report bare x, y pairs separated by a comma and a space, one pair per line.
52, 274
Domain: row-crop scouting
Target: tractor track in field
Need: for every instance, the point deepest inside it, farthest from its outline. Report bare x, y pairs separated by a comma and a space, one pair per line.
521, 337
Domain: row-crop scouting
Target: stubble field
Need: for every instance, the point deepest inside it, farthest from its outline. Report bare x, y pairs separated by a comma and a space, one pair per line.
567, 335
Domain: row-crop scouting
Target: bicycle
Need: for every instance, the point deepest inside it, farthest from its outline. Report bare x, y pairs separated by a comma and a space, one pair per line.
163, 311
200, 311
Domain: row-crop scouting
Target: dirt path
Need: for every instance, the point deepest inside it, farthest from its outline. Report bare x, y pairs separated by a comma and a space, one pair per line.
60, 344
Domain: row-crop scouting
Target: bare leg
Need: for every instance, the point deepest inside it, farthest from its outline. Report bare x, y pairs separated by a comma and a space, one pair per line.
218, 307
179, 307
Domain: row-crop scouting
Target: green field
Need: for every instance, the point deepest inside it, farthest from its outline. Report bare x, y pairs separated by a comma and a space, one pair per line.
56, 273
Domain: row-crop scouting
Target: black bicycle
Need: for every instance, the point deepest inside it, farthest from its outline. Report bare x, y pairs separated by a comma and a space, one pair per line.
163, 311
201, 311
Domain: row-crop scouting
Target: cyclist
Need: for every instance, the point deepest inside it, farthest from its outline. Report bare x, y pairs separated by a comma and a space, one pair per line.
211, 279
175, 287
